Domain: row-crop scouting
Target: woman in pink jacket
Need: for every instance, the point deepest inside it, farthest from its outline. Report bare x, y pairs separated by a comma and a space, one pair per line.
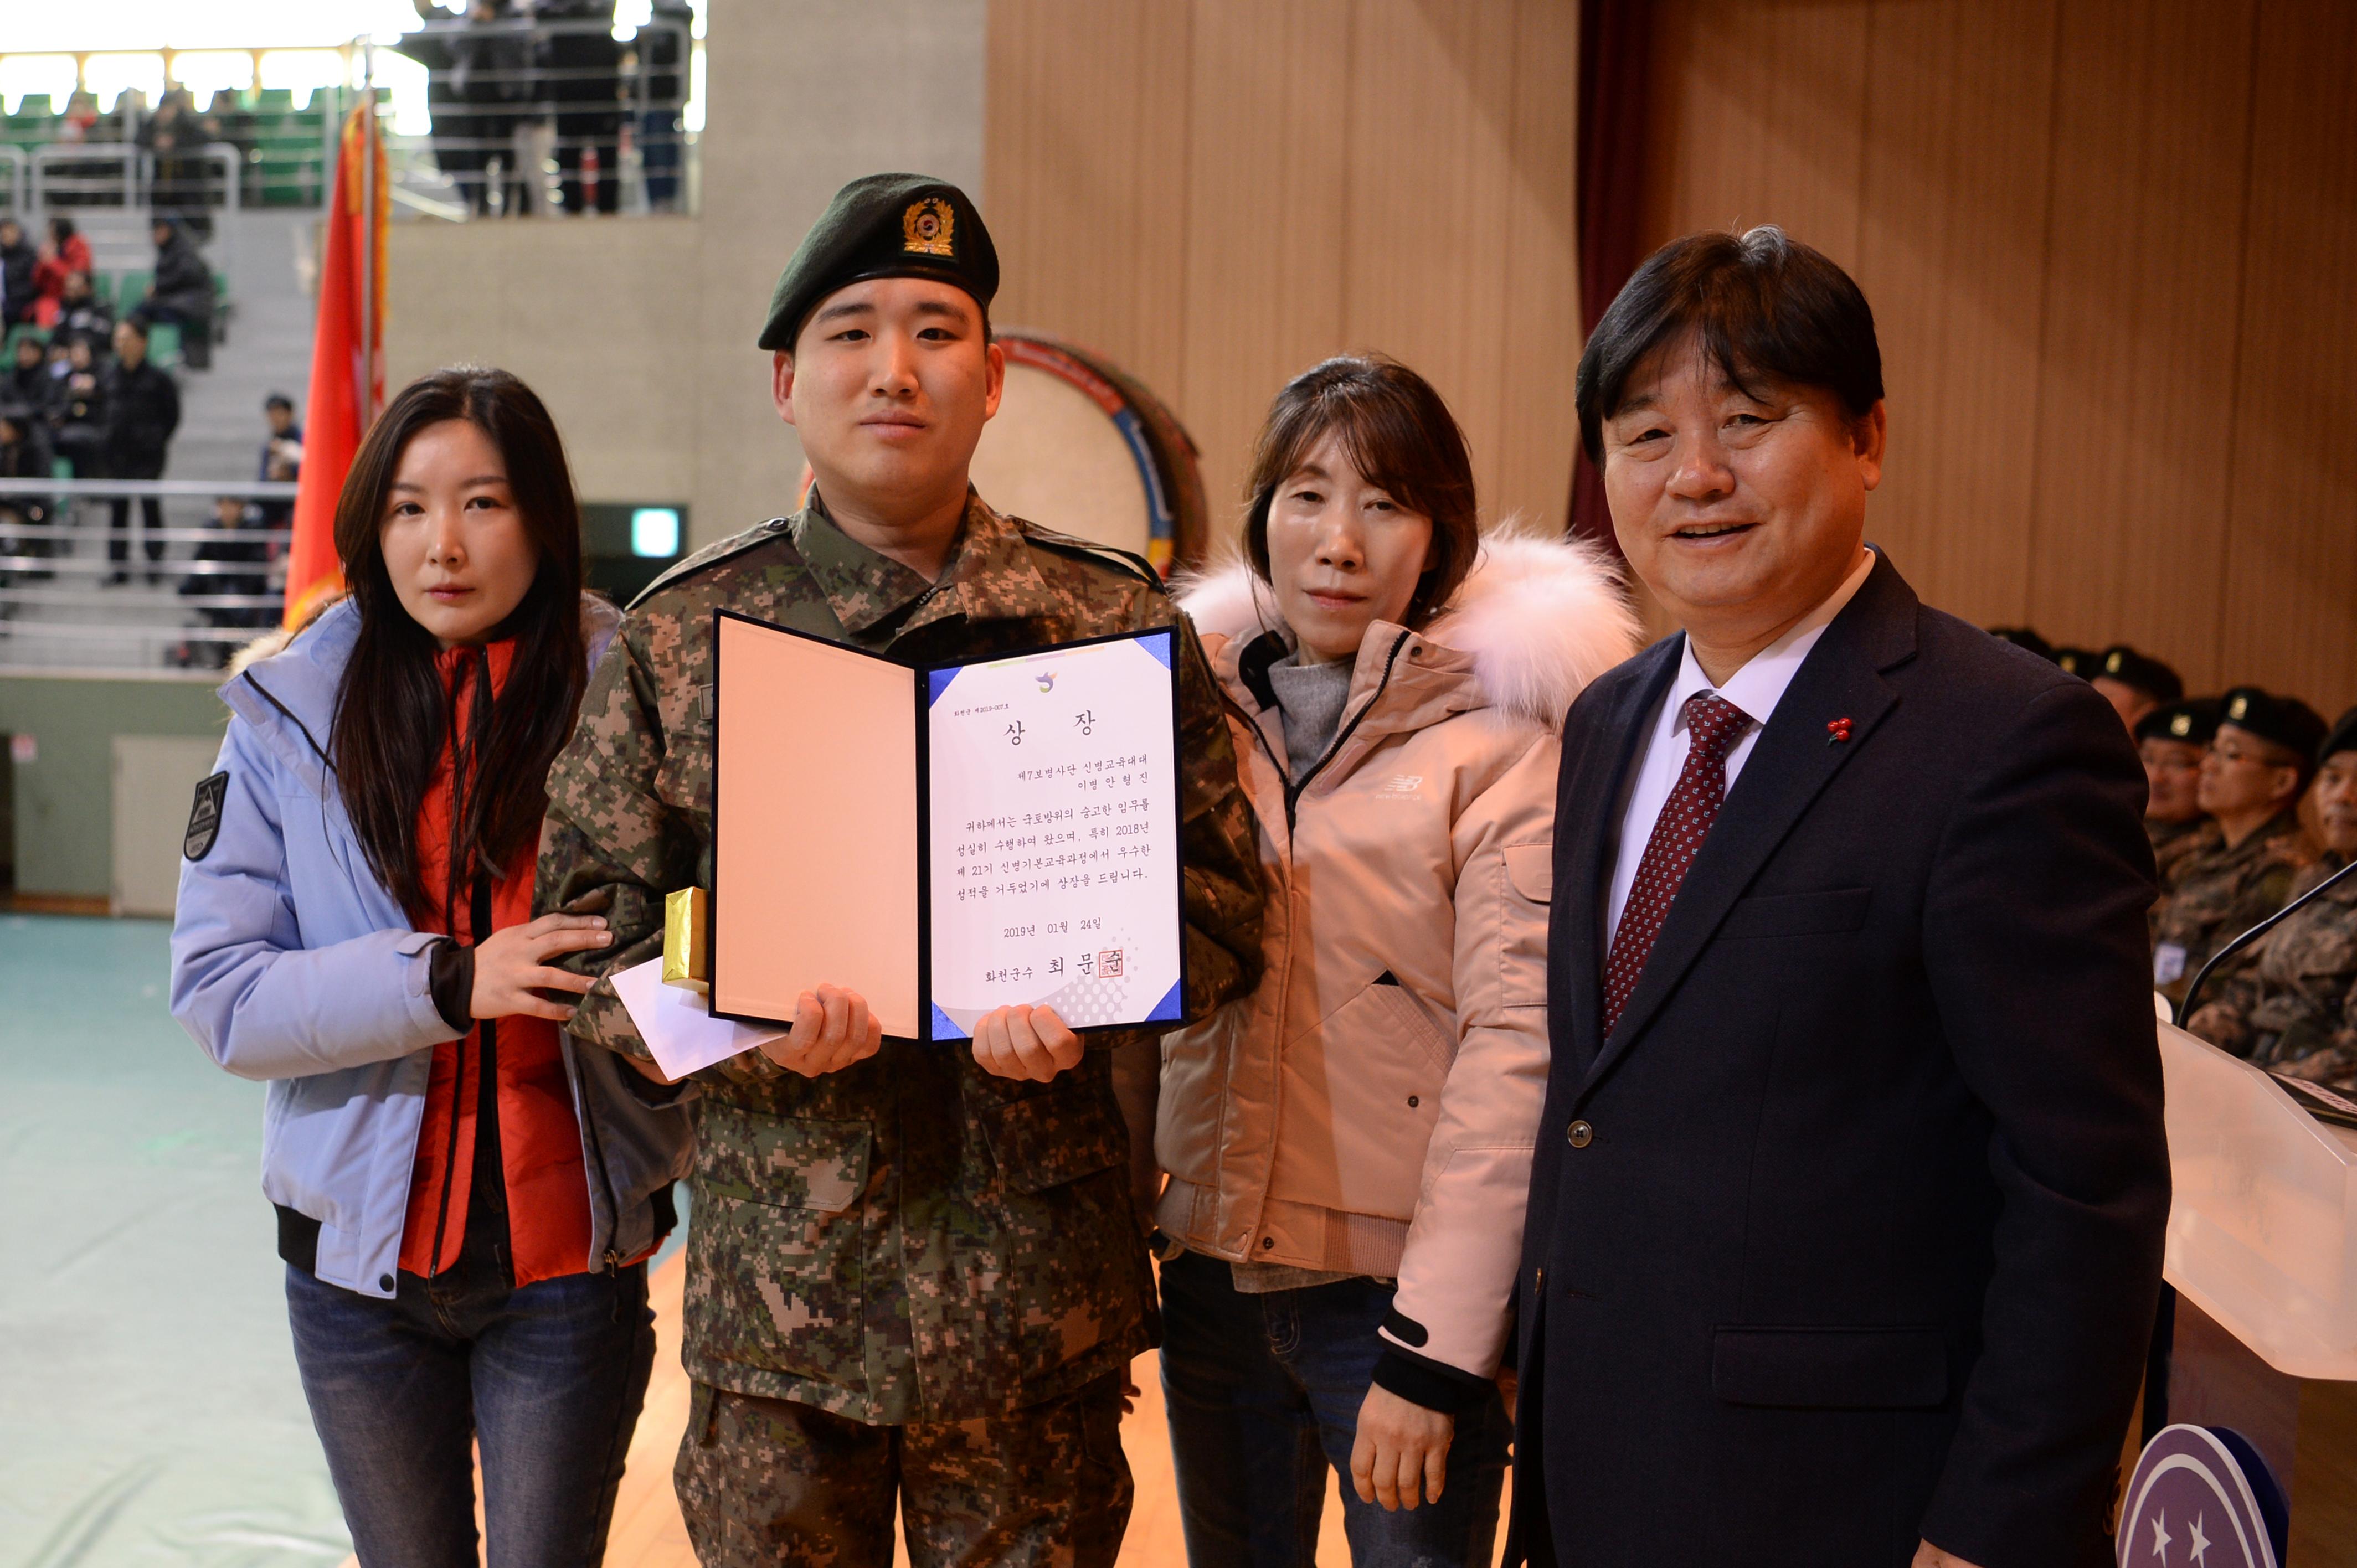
1349, 1147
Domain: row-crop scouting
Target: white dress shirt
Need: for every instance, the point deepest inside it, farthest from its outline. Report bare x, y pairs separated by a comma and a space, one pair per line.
1756, 689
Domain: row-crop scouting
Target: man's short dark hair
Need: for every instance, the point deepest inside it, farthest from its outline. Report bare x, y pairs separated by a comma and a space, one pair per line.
1763, 306
278, 399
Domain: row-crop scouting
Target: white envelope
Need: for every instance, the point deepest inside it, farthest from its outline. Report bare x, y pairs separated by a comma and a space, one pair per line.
678, 1027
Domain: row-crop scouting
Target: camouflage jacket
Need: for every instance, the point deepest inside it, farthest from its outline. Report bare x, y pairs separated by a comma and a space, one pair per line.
909, 1238
2171, 842
2290, 1003
2217, 893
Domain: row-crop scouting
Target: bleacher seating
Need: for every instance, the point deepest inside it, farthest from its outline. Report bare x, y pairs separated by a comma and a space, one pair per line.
286, 144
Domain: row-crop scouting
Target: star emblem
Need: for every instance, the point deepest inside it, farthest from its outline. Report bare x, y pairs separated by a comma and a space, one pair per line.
2201, 1541
2162, 1538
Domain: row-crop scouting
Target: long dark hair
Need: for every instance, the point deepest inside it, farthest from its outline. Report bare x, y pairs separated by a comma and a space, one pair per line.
392, 716
1400, 436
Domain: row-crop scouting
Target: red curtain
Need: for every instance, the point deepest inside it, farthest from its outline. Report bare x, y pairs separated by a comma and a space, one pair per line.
1614, 35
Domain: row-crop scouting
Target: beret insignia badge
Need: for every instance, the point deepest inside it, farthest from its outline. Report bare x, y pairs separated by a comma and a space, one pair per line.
2241, 709
926, 228
2181, 725
2112, 665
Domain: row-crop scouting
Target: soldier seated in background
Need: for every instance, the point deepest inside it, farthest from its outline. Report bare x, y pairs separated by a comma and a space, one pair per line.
2254, 845
2136, 683
2289, 1002
916, 1275
2172, 741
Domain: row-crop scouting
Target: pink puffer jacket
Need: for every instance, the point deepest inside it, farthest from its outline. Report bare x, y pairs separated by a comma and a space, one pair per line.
1371, 1107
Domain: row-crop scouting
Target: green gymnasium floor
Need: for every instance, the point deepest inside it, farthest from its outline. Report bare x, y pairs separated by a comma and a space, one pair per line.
149, 1411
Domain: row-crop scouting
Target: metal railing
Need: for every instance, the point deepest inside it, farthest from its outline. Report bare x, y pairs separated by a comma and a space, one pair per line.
92, 578
550, 114
107, 174
12, 178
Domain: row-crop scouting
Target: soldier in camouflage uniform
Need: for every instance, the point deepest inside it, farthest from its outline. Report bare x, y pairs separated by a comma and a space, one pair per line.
2289, 1001
2172, 741
915, 1272
2254, 845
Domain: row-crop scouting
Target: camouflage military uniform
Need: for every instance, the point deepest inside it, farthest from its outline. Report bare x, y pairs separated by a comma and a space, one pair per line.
910, 1240
2172, 844
2289, 1002
2217, 893
772, 1481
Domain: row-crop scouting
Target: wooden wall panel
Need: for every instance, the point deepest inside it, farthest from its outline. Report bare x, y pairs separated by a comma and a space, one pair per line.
2290, 599
1758, 116
1105, 156
1951, 249
1267, 221
1390, 175
2144, 274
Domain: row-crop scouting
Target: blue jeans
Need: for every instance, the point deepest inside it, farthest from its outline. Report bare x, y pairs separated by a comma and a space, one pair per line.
549, 1378
1264, 1394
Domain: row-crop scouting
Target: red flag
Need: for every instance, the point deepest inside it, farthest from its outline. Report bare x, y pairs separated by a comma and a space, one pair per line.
346, 360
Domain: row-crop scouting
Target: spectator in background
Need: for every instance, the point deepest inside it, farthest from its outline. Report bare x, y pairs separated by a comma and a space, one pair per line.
585, 67
16, 262
2288, 1002
2136, 683
77, 411
29, 373
81, 313
143, 410
173, 136
182, 292
24, 455
63, 252
282, 457
474, 68
2172, 742
81, 122
231, 517
663, 44
2250, 784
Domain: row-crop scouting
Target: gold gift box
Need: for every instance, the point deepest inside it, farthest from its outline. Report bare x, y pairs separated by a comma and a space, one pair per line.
687, 941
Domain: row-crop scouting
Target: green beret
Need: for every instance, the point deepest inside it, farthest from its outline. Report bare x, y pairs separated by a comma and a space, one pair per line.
2079, 662
2342, 739
2193, 721
2023, 638
2144, 672
884, 226
2286, 721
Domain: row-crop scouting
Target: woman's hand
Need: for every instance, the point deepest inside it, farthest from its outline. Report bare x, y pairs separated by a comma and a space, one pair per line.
1401, 1456
513, 965
832, 1028
1024, 1043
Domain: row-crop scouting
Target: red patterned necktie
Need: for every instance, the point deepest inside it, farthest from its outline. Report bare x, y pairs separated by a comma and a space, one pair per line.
1714, 724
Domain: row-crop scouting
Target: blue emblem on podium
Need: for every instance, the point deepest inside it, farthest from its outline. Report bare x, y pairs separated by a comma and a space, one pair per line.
2202, 1497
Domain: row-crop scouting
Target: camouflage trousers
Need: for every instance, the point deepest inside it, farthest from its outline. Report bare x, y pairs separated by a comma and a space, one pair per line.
765, 1481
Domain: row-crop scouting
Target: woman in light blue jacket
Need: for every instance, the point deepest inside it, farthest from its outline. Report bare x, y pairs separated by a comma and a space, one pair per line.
464, 1202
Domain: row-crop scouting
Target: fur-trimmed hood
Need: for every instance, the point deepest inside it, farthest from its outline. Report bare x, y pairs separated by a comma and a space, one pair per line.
1540, 618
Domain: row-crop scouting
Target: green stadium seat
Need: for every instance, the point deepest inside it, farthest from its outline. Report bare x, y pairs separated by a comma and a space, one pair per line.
273, 97
130, 289
164, 344
35, 106
61, 469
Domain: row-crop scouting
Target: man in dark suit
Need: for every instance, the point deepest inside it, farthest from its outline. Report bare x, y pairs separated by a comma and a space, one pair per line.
1844, 1229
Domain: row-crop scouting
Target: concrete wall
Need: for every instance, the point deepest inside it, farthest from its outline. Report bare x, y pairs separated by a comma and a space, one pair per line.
638, 332
64, 815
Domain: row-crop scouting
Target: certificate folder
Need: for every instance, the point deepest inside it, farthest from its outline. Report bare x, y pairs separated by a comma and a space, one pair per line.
946, 839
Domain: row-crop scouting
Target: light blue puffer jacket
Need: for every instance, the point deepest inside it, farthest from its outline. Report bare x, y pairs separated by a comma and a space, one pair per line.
292, 963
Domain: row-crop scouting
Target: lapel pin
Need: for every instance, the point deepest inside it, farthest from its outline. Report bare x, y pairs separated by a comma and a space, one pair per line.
1836, 732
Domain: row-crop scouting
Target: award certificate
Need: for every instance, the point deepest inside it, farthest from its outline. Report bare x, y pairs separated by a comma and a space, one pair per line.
950, 839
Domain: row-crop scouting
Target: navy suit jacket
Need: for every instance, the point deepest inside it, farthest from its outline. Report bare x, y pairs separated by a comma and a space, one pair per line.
1850, 1231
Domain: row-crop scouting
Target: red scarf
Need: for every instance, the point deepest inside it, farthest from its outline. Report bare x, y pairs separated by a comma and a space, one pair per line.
540, 1138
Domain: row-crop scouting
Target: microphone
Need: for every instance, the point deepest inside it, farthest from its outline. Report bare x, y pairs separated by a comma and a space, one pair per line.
2193, 992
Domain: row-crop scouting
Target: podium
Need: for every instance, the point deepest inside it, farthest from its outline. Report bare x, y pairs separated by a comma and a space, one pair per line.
2263, 1254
